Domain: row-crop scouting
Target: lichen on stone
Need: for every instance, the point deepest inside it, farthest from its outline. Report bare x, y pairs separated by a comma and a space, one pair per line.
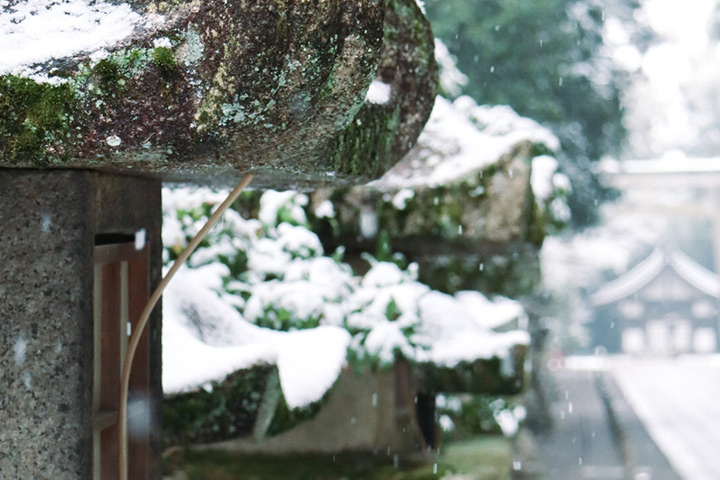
382, 133
209, 90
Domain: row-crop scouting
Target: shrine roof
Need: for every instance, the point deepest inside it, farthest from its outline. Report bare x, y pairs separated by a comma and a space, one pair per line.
650, 268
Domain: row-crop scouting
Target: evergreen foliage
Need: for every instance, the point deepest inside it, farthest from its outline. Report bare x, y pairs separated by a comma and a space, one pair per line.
544, 58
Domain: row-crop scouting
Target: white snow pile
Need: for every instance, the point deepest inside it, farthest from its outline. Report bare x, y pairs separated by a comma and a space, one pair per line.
550, 188
35, 31
263, 292
206, 339
451, 78
461, 138
378, 92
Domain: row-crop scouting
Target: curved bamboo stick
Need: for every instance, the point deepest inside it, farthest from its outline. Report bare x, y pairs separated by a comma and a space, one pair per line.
145, 315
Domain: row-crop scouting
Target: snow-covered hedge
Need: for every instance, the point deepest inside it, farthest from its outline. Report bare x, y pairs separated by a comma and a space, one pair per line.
261, 291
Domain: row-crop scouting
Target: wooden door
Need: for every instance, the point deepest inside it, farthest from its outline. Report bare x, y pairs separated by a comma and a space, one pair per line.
121, 281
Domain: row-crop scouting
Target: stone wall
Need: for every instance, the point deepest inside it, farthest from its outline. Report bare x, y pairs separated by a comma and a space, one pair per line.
368, 412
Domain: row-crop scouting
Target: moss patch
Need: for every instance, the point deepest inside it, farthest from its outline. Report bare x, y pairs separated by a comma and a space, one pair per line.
164, 59
226, 410
35, 120
230, 409
478, 458
365, 148
45, 124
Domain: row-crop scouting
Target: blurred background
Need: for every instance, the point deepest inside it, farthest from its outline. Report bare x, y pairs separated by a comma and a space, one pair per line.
560, 210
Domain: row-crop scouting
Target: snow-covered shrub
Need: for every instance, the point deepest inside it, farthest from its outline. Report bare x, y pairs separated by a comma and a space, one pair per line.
382, 315
262, 290
277, 208
274, 272
466, 415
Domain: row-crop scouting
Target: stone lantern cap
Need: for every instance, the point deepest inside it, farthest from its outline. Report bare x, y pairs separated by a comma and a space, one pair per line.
301, 93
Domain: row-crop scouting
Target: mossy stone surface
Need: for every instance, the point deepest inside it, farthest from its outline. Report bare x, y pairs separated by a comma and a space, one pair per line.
488, 210
247, 404
482, 376
217, 89
481, 231
381, 134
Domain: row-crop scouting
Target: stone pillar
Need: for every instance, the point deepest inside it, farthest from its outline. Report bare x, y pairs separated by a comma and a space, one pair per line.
49, 221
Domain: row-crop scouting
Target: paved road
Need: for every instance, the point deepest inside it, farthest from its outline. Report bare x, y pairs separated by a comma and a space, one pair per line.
598, 435
668, 412
679, 403
581, 444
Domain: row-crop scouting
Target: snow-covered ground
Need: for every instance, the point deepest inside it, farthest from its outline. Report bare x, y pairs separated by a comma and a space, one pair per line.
678, 401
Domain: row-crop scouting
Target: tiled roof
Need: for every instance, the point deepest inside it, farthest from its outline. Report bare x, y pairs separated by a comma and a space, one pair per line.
647, 270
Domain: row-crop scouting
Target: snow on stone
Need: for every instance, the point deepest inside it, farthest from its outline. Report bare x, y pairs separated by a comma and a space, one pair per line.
309, 362
455, 334
503, 121
461, 138
378, 93
325, 210
451, 78
205, 339
192, 302
491, 314
200, 334
189, 363
450, 350
541, 176
35, 31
